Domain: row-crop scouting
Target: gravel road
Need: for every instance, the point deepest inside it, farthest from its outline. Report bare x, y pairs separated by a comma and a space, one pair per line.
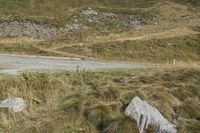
13, 64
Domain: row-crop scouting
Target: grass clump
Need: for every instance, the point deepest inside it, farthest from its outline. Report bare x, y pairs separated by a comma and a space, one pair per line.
98, 116
121, 125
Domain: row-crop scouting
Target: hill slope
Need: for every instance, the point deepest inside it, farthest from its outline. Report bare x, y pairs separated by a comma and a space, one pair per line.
91, 28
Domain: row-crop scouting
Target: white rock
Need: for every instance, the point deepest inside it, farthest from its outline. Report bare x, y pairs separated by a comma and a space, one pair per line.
15, 104
145, 114
90, 11
73, 26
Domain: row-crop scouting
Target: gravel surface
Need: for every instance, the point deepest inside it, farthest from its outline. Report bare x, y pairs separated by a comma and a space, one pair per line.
13, 64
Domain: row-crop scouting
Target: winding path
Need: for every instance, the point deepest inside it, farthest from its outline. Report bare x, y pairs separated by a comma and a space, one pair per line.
16, 63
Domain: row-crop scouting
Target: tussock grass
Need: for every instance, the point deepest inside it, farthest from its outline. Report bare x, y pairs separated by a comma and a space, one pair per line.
95, 101
121, 125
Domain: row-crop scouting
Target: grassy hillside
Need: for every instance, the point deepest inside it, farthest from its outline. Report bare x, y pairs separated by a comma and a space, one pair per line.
155, 50
92, 102
135, 30
61, 8
55, 10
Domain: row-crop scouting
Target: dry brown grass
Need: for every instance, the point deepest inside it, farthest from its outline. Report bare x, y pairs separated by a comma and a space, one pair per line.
94, 101
24, 40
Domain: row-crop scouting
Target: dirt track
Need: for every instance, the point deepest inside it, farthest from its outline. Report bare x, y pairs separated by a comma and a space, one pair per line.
17, 63
177, 32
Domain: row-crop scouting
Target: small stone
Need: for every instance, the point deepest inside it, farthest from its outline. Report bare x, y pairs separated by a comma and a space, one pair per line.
118, 80
15, 104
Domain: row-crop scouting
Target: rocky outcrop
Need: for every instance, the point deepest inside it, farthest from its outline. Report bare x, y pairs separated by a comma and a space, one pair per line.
145, 114
27, 28
15, 104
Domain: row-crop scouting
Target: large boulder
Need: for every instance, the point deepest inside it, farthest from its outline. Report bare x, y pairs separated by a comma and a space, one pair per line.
145, 114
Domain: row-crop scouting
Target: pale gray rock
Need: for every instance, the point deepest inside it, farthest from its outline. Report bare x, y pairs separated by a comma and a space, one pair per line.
73, 26
15, 104
90, 11
145, 114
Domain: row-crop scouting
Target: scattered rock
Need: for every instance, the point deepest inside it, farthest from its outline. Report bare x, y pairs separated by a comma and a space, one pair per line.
107, 19
118, 80
169, 44
145, 114
28, 28
15, 104
105, 30
73, 26
89, 11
